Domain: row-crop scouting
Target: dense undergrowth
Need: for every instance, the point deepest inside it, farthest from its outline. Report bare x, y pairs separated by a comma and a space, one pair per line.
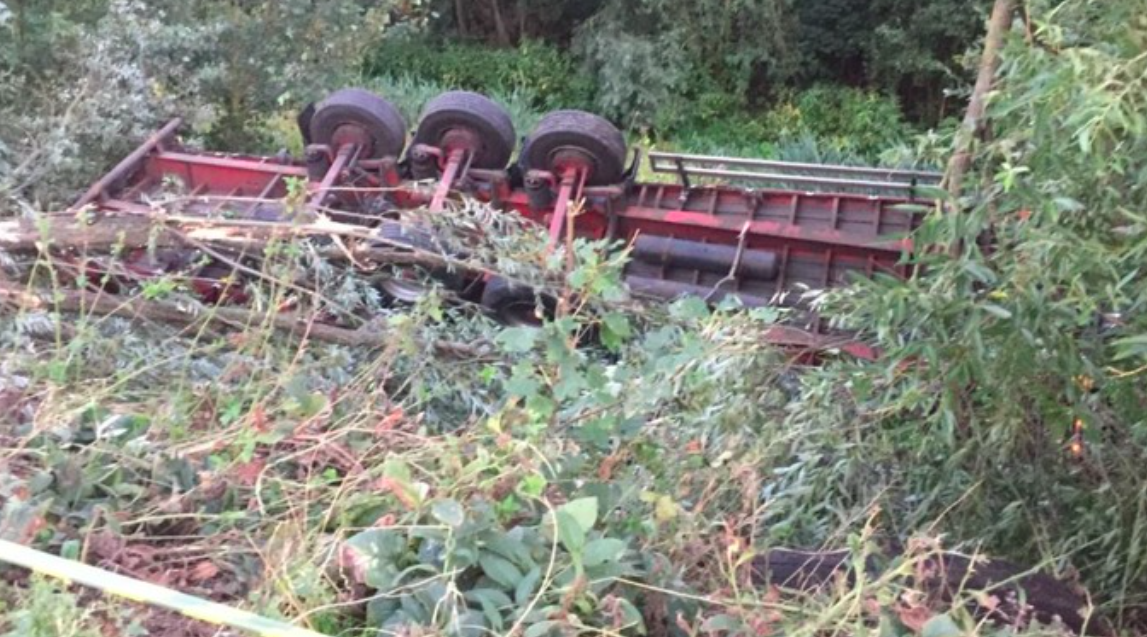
464, 478
83, 82
825, 122
299, 479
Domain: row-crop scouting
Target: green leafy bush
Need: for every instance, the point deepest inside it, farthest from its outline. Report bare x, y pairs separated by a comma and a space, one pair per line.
825, 124
1011, 395
83, 84
409, 94
636, 77
846, 119
47, 609
538, 70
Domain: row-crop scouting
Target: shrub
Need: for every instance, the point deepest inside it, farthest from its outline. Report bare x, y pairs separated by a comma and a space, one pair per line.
538, 70
409, 94
847, 119
46, 609
736, 135
1011, 393
112, 72
636, 77
828, 125
63, 123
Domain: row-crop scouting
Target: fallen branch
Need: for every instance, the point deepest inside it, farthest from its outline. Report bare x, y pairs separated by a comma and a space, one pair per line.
102, 233
76, 232
105, 232
194, 314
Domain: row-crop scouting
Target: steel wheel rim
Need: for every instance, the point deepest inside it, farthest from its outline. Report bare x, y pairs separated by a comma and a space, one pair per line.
404, 289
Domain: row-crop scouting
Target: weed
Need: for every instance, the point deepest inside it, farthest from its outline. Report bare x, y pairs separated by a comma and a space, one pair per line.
45, 609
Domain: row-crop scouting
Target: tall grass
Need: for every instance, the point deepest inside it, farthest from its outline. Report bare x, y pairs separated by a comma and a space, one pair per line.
357, 488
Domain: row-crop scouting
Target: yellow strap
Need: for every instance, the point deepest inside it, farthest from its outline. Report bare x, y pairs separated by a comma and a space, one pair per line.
144, 592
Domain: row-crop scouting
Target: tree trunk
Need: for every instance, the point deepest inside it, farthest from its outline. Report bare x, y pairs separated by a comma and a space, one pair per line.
500, 24
460, 17
973, 126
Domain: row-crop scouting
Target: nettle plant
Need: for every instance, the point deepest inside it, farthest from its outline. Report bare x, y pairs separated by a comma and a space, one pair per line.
468, 575
504, 561
553, 511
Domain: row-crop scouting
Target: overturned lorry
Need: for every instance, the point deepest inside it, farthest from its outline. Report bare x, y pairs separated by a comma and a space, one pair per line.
765, 232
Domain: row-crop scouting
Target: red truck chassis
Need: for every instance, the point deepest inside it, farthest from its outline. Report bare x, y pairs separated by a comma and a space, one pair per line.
764, 231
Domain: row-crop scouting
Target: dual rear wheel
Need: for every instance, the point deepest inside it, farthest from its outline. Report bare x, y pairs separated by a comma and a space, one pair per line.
474, 123
470, 122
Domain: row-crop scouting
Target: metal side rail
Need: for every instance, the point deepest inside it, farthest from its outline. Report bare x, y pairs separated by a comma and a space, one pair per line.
813, 176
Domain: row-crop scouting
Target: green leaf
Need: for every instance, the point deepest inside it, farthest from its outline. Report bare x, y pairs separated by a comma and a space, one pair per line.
518, 340
571, 534
378, 543
532, 485
414, 608
515, 551
888, 626
574, 521
492, 601
496, 597
527, 585
583, 511
615, 329
1131, 347
941, 626
607, 571
377, 551
997, 311
448, 512
523, 380
603, 550
630, 615
70, 550
689, 308
541, 628
500, 569
473, 624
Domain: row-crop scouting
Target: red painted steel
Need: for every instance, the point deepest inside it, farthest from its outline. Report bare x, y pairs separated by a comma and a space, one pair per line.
446, 183
128, 165
819, 239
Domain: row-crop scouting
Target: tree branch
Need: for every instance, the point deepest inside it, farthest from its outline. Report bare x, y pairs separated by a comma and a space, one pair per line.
193, 314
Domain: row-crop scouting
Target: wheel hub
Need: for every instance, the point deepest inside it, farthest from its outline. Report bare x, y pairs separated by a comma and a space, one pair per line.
407, 285
463, 139
353, 134
573, 158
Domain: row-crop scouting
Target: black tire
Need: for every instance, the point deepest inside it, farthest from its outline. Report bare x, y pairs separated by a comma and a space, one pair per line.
515, 305
487, 120
594, 136
410, 289
304, 122
384, 128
